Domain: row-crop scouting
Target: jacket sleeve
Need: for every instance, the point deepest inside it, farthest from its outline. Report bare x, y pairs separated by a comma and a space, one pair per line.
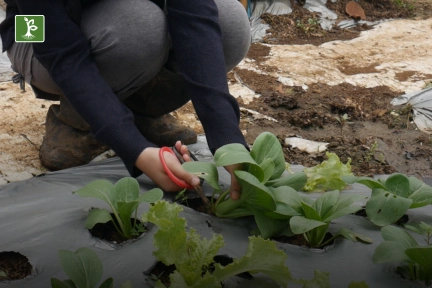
66, 55
197, 43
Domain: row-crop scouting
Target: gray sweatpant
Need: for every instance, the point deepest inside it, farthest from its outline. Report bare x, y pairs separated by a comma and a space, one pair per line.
130, 44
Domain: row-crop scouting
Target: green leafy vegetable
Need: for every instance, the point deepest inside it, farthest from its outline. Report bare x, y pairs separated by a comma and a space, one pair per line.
295, 181
238, 154
327, 175
421, 228
123, 198
415, 262
84, 269
392, 198
192, 255
267, 147
315, 216
204, 170
260, 181
3, 275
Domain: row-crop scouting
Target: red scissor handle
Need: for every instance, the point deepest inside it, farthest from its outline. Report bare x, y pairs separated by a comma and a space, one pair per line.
174, 178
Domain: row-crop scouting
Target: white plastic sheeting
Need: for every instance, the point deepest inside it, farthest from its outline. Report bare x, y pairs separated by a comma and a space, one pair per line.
274, 7
306, 145
421, 103
280, 7
352, 23
328, 17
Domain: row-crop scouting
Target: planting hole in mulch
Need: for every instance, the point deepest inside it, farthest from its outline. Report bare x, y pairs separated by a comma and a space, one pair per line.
107, 231
400, 222
195, 204
299, 240
15, 265
161, 271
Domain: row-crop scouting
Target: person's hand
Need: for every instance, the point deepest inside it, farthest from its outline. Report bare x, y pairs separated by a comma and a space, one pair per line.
149, 163
235, 188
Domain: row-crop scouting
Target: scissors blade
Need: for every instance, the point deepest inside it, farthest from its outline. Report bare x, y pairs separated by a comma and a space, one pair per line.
180, 158
198, 189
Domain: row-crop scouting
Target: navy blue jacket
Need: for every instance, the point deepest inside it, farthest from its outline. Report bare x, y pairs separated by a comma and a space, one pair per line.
196, 38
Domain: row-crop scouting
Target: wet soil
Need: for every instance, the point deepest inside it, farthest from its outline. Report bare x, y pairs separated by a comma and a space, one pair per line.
15, 265
379, 138
299, 240
160, 272
108, 232
302, 26
195, 204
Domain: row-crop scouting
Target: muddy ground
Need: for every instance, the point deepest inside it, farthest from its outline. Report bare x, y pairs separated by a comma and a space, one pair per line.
305, 88
377, 141
301, 26
300, 81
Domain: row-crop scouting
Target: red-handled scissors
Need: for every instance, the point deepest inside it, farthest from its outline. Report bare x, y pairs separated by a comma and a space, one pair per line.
174, 178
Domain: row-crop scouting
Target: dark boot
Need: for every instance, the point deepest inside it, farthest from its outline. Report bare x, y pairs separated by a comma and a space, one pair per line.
164, 130
64, 146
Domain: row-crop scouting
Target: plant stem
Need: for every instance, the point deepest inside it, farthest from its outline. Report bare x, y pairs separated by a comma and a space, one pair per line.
429, 236
412, 271
120, 223
237, 213
327, 242
135, 219
117, 228
222, 197
203, 198
228, 207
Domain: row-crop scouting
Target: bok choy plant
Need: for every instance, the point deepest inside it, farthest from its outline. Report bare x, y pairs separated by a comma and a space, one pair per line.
84, 268
414, 261
262, 184
123, 198
312, 218
423, 229
392, 198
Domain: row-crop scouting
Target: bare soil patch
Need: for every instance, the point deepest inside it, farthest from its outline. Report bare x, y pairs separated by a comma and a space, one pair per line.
15, 265
108, 232
377, 141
